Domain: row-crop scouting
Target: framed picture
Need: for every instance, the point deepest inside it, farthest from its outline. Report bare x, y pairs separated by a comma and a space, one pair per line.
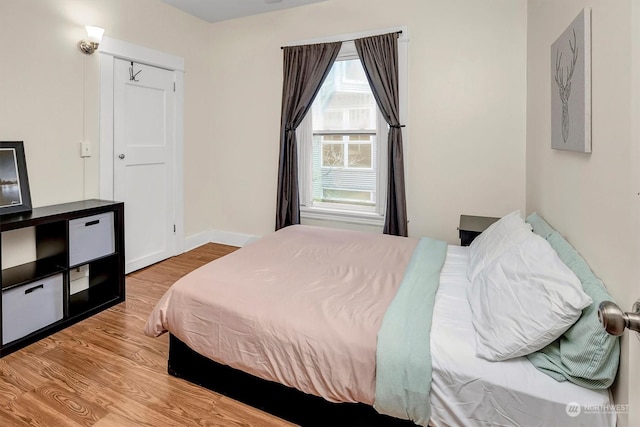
14, 182
571, 86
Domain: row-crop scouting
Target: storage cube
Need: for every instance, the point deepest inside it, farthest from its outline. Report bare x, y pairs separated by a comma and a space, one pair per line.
30, 307
90, 238
78, 279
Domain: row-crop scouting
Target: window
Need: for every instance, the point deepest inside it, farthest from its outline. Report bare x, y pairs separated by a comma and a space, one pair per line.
347, 151
342, 142
340, 157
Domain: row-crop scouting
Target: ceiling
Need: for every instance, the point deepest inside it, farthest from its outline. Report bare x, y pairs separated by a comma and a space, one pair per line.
222, 10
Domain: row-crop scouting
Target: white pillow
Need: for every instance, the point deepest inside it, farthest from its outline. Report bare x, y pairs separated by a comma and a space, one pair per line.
524, 300
508, 231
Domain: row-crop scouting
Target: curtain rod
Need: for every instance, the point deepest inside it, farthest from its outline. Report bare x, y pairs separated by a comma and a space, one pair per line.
350, 40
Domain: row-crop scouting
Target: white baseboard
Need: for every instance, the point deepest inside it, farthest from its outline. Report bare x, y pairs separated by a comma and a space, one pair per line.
197, 240
232, 239
218, 236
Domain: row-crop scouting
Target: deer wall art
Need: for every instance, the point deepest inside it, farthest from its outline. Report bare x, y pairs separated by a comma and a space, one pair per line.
571, 86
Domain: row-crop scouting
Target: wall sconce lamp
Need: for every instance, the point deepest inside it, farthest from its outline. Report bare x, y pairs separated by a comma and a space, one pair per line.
94, 36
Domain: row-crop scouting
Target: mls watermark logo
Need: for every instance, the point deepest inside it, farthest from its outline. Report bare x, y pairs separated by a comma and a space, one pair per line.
573, 409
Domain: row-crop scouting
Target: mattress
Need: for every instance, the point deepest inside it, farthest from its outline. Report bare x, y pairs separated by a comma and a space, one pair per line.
301, 306
469, 391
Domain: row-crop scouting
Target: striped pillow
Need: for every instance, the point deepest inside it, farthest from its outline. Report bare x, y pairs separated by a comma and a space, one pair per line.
585, 354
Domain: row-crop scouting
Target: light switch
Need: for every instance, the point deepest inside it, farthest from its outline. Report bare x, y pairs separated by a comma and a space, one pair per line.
85, 149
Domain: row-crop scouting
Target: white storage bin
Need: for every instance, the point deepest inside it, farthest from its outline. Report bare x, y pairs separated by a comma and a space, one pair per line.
78, 279
91, 237
29, 307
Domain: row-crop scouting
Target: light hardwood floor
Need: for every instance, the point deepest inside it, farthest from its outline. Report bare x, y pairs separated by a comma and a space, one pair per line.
105, 372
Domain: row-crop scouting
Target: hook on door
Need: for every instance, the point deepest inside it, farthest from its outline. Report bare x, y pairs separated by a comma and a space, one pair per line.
132, 76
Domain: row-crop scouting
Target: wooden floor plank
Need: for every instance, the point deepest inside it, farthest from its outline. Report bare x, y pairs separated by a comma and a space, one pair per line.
105, 372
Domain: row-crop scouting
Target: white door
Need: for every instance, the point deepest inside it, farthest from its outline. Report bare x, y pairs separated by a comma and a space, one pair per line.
143, 132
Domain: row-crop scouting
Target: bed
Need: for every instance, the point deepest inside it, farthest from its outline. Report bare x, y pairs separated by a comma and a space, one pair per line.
307, 307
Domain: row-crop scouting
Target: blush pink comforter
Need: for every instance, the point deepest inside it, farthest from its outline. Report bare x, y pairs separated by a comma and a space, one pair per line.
301, 307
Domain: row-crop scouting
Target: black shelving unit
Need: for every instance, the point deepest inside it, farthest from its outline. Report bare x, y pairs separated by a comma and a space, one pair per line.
96, 224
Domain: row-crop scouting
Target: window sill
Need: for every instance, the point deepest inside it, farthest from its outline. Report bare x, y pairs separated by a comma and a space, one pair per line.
349, 217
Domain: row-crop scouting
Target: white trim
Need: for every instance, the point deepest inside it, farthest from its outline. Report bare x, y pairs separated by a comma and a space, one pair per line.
218, 236
347, 217
178, 150
305, 155
106, 127
376, 219
231, 238
110, 49
633, 376
197, 240
141, 54
382, 154
348, 51
346, 201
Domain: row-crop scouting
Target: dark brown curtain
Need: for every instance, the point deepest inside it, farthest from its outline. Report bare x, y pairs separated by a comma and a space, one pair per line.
379, 56
305, 68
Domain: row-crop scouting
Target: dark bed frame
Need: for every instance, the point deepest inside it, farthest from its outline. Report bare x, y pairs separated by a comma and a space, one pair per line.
276, 399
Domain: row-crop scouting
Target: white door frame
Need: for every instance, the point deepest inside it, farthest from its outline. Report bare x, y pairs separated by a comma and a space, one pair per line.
109, 50
633, 349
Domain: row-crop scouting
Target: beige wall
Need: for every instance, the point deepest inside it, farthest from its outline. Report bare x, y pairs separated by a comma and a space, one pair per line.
50, 91
592, 198
466, 126
479, 87
465, 151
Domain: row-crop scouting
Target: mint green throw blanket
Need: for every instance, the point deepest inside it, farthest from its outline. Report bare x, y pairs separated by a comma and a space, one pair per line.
403, 355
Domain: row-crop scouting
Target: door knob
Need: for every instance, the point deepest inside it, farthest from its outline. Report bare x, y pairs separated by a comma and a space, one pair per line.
614, 320
121, 156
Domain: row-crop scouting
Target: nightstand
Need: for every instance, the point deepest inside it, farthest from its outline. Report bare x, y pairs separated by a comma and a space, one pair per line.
471, 226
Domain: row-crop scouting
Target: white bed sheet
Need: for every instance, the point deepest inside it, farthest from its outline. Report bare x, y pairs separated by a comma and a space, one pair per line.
469, 391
